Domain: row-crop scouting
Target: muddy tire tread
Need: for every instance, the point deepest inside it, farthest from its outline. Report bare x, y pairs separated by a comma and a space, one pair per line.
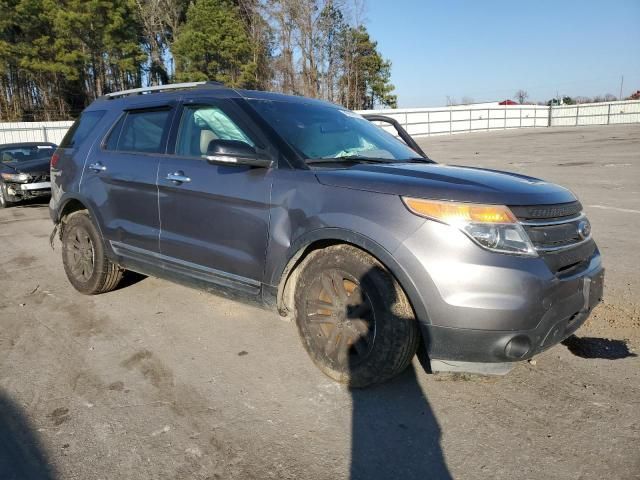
106, 275
401, 337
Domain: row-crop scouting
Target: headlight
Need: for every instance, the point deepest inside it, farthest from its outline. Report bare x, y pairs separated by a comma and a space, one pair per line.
493, 227
16, 177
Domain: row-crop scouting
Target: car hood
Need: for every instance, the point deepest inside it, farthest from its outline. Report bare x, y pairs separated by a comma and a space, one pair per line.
31, 166
447, 182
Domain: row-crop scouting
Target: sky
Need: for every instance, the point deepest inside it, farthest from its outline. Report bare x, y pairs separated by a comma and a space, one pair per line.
487, 50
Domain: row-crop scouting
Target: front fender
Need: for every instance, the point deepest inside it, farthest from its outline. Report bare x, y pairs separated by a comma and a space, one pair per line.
334, 234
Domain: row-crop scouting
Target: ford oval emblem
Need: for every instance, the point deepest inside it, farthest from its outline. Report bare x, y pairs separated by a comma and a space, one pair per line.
584, 229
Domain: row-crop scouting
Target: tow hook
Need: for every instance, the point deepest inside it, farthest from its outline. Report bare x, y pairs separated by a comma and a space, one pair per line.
52, 237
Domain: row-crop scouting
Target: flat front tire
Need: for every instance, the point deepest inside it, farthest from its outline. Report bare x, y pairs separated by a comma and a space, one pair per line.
86, 266
353, 317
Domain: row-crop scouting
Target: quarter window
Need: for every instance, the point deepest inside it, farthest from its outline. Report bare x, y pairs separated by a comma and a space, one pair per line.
201, 125
141, 131
81, 128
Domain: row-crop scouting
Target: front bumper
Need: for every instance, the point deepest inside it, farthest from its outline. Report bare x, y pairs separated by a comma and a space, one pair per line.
583, 294
22, 191
486, 307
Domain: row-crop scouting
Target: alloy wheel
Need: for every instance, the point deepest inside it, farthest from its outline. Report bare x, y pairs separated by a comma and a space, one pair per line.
339, 319
82, 254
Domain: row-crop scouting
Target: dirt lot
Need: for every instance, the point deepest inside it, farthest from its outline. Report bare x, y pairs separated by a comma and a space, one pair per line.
158, 381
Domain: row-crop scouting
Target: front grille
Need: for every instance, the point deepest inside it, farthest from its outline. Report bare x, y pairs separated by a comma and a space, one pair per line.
555, 233
566, 262
547, 212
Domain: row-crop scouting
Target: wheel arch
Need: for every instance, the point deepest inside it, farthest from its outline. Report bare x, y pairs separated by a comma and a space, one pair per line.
323, 238
72, 204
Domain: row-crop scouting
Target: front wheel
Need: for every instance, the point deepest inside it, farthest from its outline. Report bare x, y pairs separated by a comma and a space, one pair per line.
353, 317
87, 267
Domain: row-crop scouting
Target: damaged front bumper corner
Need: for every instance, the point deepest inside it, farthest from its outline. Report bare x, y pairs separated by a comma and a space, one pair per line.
16, 192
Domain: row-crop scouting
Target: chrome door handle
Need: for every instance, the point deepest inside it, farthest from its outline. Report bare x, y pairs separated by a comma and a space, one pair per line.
178, 177
97, 167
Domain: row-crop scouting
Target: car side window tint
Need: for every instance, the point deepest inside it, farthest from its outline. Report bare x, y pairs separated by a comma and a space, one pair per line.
140, 131
81, 128
202, 124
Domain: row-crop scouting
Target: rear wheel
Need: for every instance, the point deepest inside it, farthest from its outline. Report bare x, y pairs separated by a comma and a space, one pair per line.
354, 319
86, 266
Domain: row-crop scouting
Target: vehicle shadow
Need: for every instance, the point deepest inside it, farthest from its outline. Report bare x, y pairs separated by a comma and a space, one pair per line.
395, 434
129, 278
591, 347
21, 454
38, 202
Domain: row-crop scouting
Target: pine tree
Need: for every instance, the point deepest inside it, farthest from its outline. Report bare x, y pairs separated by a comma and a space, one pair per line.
213, 44
56, 56
365, 82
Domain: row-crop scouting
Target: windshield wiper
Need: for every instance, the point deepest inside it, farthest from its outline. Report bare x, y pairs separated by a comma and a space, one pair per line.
349, 158
417, 160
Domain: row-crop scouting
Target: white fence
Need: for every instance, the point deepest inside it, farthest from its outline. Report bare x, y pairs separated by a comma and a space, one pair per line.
33, 131
422, 121
471, 118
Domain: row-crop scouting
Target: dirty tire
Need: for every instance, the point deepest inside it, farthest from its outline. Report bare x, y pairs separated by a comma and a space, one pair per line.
353, 317
4, 203
86, 266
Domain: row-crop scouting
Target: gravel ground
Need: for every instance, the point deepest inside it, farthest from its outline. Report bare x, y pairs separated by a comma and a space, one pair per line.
158, 381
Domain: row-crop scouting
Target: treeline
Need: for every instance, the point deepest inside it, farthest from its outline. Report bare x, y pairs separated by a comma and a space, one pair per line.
56, 56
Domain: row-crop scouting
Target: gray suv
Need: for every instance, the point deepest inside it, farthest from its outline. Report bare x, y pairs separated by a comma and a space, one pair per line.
314, 211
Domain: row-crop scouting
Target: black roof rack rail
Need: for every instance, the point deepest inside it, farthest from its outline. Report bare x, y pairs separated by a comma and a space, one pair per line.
162, 88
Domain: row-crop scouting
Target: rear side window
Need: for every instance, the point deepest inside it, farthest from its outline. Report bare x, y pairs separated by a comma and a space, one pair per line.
81, 128
139, 131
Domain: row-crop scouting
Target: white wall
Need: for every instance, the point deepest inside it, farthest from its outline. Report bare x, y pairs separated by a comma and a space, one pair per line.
33, 131
486, 117
604, 113
422, 121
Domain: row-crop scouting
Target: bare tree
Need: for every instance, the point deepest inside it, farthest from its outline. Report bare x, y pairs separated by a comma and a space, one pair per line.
160, 20
583, 99
308, 43
253, 13
332, 26
284, 15
521, 96
467, 100
150, 13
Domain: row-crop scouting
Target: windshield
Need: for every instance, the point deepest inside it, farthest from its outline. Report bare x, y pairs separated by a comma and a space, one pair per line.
326, 132
19, 154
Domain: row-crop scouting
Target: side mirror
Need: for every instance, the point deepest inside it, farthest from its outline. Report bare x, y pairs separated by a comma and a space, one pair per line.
235, 152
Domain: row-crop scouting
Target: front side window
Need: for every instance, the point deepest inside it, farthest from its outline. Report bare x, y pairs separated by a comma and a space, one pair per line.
141, 131
325, 132
200, 125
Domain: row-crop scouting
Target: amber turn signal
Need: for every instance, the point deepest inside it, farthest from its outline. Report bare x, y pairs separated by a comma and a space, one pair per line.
456, 213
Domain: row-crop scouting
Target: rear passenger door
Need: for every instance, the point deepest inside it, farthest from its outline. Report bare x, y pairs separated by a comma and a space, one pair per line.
214, 222
121, 179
